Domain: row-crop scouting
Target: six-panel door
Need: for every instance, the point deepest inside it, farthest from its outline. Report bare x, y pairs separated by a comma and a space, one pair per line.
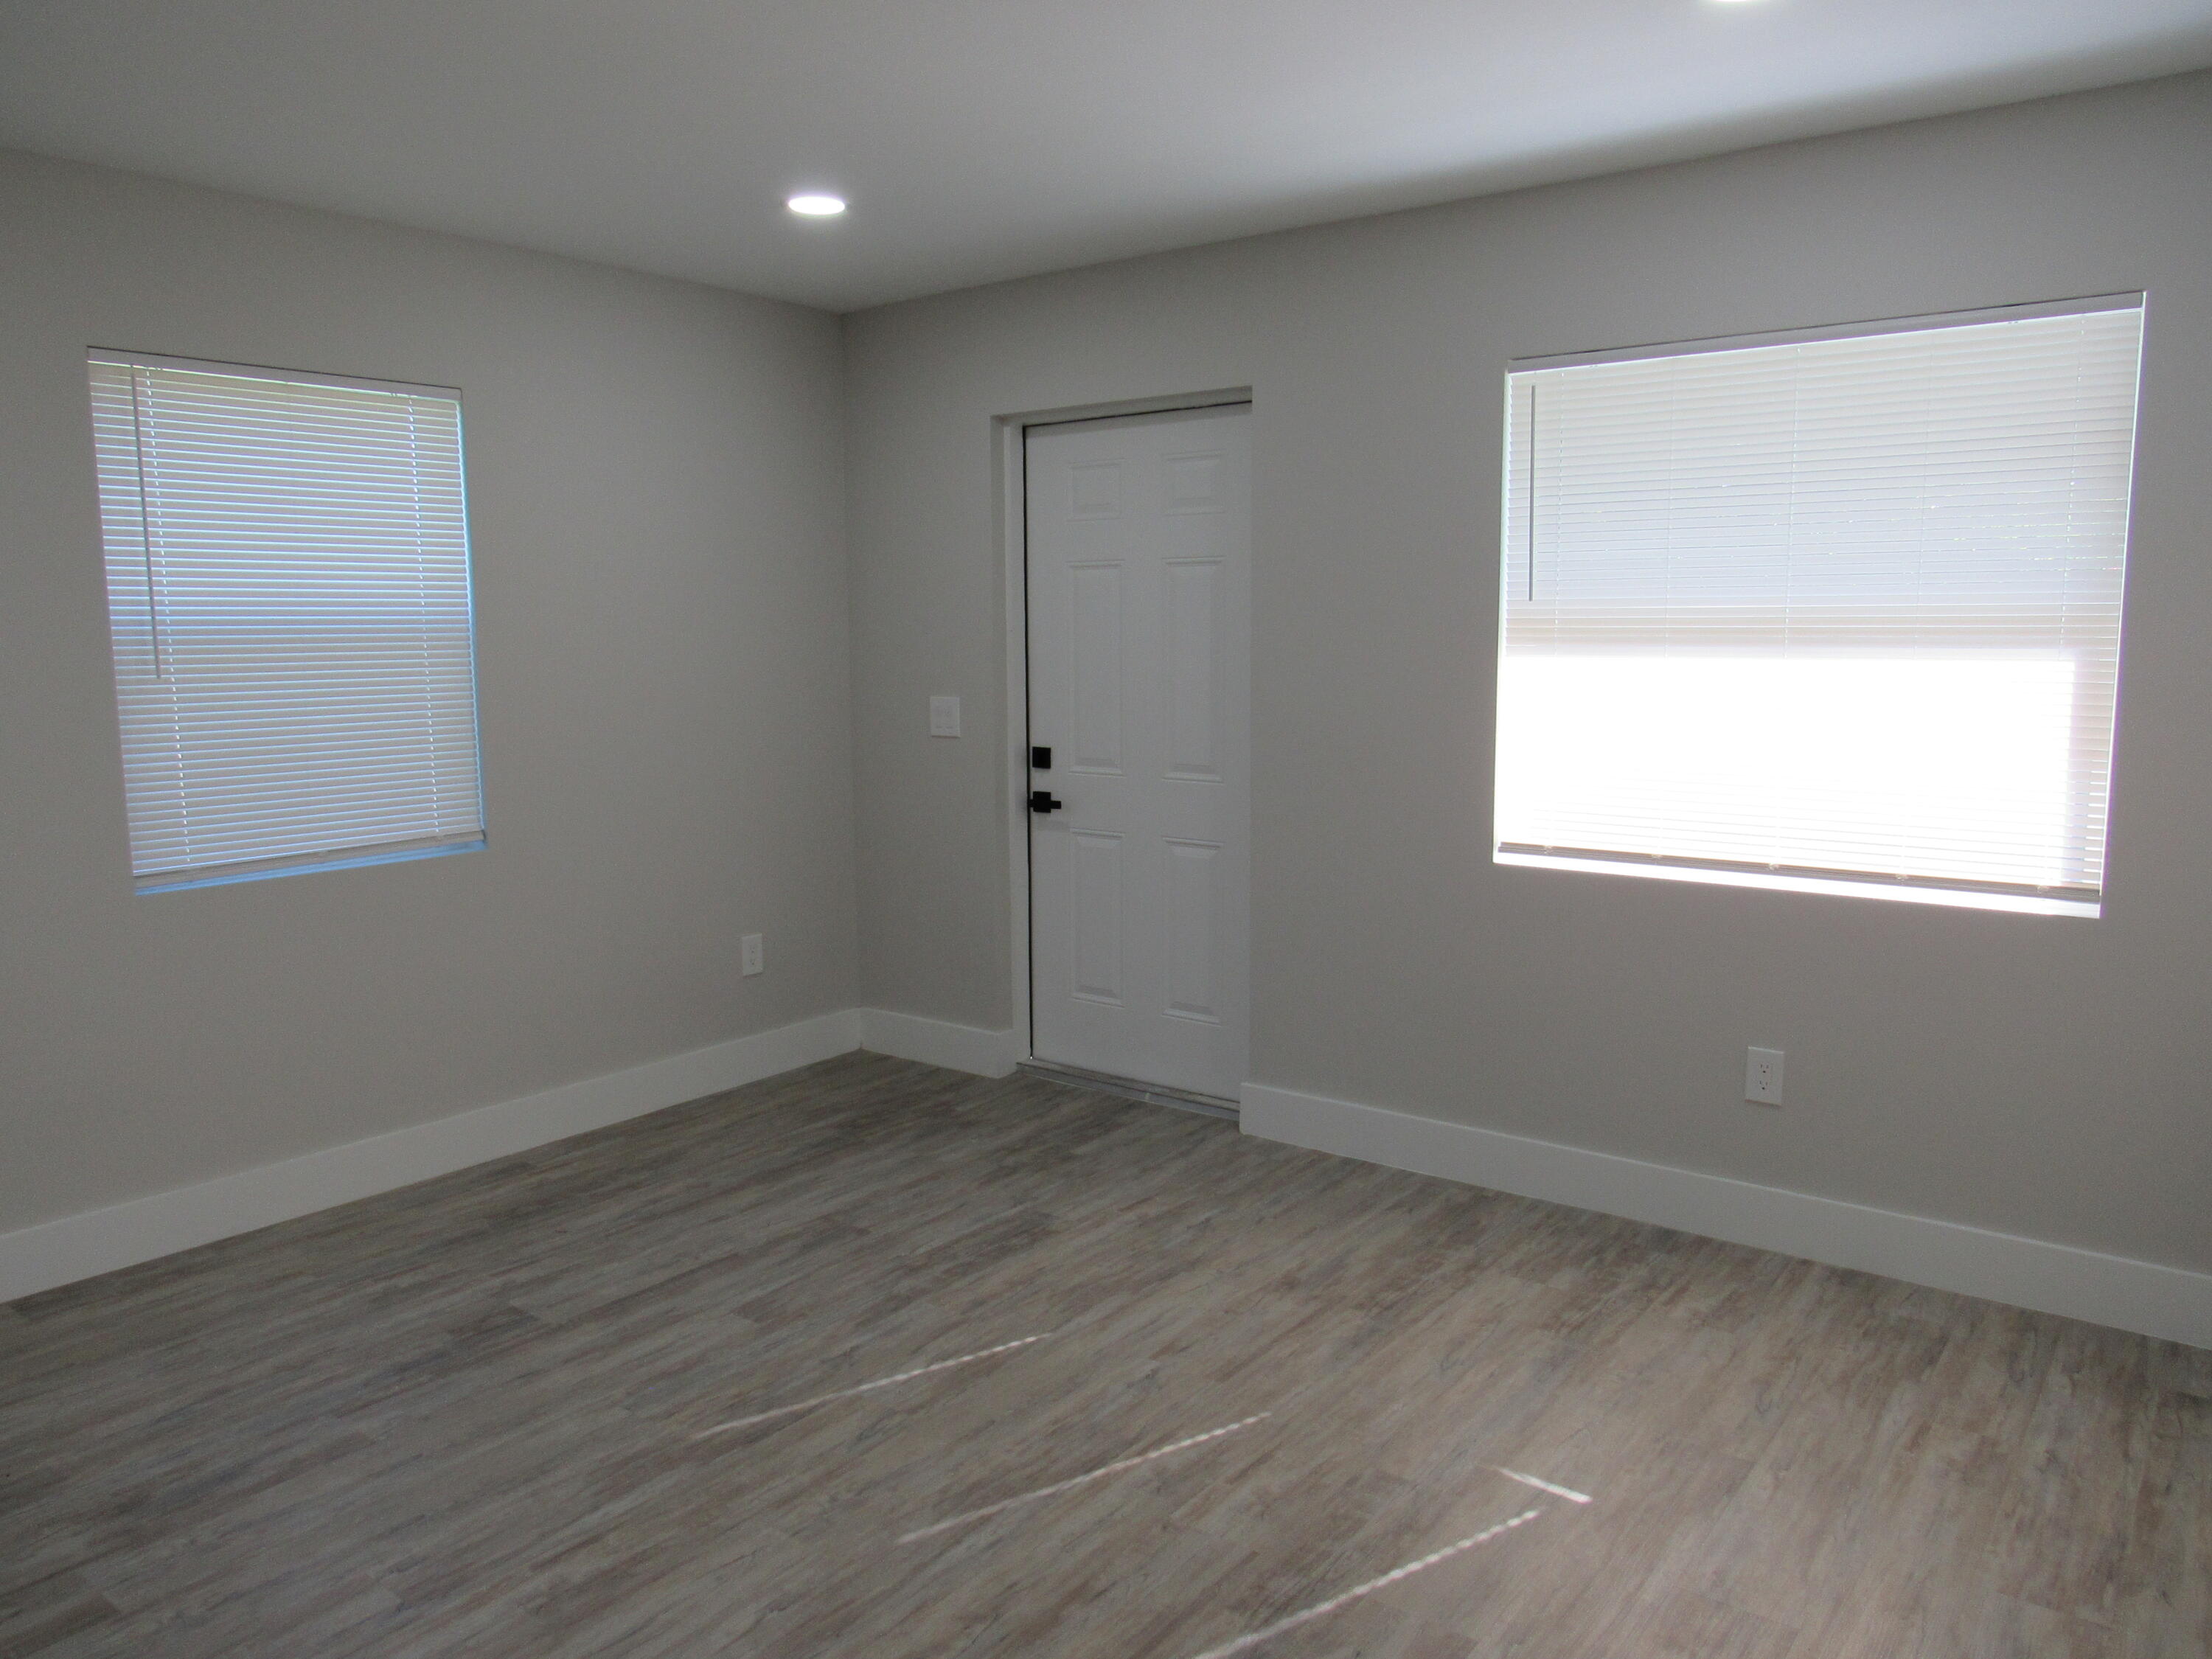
1138, 542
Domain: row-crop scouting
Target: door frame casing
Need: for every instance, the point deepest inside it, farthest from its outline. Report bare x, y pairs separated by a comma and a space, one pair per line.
1008, 436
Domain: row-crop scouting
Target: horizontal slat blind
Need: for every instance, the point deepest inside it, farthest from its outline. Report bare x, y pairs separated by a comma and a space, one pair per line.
287, 582
1846, 608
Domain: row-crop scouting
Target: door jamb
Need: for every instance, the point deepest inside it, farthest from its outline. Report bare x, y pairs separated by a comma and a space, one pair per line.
1008, 433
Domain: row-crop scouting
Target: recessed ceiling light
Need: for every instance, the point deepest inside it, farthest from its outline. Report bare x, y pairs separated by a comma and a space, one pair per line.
817, 207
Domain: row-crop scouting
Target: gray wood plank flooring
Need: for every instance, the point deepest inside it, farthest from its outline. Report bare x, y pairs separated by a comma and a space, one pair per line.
483, 1415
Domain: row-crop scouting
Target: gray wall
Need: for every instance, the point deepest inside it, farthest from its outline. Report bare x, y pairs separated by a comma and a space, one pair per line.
2049, 1077
655, 498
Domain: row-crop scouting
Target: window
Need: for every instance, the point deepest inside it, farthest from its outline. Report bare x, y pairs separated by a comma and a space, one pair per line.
287, 592
1838, 613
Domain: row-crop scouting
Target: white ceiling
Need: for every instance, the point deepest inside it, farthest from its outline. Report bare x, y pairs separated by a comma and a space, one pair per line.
980, 139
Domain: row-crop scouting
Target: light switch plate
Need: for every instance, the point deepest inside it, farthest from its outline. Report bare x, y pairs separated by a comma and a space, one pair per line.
749, 953
945, 717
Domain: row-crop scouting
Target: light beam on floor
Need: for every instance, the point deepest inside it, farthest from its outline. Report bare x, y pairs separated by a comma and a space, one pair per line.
1567, 1492
865, 1387
1323, 1609
1100, 1473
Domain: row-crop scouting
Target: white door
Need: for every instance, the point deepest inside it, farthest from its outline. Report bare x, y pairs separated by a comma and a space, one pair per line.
1139, 533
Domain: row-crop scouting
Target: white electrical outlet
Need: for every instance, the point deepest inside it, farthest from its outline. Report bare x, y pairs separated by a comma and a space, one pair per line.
1762, 1076
749, 953
945, 717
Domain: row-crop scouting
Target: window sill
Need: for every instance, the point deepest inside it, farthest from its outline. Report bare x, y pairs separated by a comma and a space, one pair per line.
177, 880
1871, 887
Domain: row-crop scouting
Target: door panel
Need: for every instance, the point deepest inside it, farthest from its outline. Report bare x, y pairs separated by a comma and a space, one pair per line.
1097, 916
1140, 550
1094, 636
1194, 871
1194, 715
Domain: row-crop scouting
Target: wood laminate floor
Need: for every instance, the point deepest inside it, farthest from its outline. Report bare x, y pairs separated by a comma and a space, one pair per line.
502, 1414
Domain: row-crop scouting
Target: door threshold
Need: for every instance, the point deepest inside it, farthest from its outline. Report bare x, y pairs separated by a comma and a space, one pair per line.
1153, 1094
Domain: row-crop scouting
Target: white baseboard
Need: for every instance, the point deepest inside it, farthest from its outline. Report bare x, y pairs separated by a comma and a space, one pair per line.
2138, 1296
39, 1258
938, 1043
2170, 1303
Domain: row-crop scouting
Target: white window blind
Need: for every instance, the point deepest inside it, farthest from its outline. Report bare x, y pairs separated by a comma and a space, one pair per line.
287, 585
1838, 613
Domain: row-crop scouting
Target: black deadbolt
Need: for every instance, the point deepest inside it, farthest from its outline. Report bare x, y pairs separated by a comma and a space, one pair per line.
1040, 760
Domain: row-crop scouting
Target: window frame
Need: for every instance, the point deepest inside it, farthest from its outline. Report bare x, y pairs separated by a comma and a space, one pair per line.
181, 877
1943, 890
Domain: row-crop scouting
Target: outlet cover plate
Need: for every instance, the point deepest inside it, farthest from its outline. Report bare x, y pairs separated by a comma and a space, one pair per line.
1762, 1076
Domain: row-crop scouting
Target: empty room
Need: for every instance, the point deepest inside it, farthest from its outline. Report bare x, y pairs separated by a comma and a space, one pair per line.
1106, 831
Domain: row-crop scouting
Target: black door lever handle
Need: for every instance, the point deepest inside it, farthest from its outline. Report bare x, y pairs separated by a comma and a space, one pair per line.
1044, 800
